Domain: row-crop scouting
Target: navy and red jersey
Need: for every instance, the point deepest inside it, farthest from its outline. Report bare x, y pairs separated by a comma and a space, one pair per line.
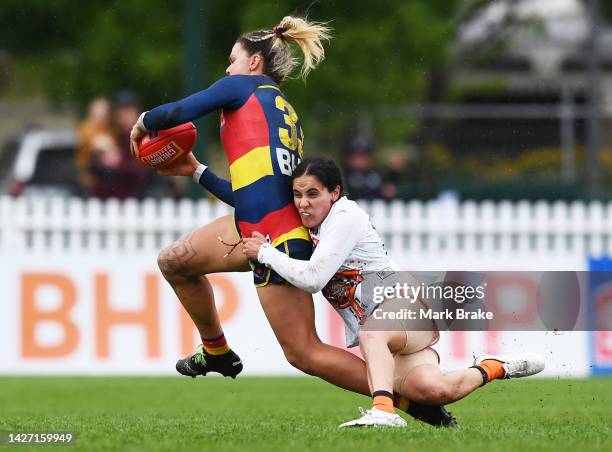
263, 140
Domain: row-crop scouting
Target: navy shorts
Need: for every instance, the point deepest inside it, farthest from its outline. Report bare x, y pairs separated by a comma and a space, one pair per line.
295, 248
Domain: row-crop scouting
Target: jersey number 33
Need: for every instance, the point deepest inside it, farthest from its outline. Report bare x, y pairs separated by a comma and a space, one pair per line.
289, 137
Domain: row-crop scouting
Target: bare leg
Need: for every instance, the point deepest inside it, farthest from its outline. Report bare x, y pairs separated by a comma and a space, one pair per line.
200, 252
419, 378
376, 348
380, 340
290, 312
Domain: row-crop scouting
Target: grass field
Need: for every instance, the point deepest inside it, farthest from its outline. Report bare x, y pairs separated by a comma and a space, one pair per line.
294, 414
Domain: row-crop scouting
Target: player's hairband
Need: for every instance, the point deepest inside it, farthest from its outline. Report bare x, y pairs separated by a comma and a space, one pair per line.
278, 30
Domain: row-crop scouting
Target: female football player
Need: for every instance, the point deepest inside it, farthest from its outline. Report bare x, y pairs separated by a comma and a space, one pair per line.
346, 246
263, 140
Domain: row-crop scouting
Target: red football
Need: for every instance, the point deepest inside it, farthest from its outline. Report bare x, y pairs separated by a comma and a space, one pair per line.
163, 147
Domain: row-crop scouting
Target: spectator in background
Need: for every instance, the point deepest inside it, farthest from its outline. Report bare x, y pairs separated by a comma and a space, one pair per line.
394, 174
130, 179
125, 178
97, 143
104, 154
362, 181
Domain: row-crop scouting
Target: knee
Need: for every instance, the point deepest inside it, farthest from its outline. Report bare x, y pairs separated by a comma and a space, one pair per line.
167, 263
301, 358
374, 340
366, 336
300, 361
173, 261
436, 392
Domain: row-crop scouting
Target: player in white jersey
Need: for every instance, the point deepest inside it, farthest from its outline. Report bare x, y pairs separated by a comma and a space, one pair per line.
347, 245
351, 247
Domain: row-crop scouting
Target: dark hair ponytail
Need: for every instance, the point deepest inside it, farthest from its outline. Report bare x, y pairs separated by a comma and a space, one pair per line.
325, 170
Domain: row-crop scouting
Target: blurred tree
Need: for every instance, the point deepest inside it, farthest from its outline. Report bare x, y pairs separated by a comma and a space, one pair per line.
75, 52
606, 9
378, 55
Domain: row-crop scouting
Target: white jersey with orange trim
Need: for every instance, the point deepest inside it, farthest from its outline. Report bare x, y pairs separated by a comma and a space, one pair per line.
346, 246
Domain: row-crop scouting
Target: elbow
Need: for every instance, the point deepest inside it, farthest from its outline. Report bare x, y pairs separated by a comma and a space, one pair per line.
305, 276
313, 288
316, 282
309, 286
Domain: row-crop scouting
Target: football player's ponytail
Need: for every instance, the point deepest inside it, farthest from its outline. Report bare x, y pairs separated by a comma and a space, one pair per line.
275, 46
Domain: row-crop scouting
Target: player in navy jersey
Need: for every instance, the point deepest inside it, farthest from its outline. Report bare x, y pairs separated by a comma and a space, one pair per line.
263, 140
262, 137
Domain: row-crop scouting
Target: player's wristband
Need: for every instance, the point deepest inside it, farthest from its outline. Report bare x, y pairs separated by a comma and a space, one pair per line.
198, 172
140, 122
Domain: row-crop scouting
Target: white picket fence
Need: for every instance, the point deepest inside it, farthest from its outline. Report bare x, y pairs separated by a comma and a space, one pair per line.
93, 226
72, 264
410, 229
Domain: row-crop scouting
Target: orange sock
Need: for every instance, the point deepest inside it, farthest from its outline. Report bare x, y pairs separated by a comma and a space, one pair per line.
383, 400
493, 368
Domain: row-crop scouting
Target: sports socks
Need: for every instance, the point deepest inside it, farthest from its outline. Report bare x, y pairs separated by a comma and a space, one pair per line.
491, 369
216, 346
383, 400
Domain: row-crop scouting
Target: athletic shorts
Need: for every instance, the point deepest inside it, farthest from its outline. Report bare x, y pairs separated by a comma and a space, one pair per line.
295, 248
420, 333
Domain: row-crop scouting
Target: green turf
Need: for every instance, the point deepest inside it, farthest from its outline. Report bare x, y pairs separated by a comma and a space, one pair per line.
294, 414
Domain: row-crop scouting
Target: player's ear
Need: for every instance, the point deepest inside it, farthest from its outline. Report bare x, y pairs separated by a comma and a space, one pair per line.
335, 195
256, 61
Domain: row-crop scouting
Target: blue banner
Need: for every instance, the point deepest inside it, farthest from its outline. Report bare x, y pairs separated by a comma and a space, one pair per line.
600, 306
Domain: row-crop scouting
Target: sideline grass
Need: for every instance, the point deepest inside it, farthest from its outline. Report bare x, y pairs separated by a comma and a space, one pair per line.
294, 414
